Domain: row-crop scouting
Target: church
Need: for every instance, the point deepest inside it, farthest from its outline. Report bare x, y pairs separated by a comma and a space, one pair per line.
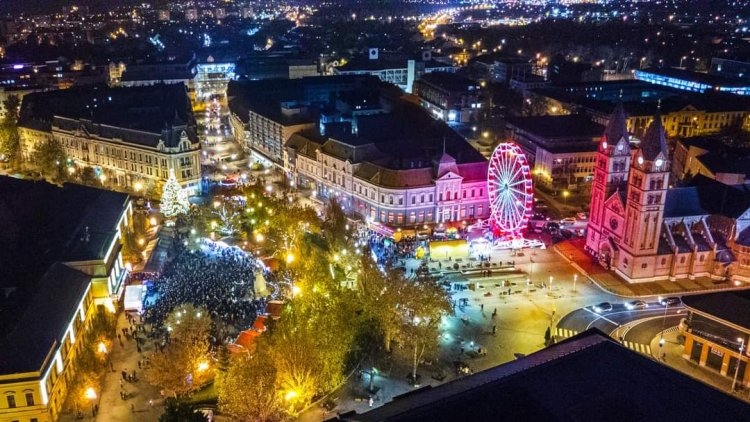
645, 229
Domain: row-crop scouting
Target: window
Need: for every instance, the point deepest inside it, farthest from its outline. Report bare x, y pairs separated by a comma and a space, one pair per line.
401, 201
11, 401
644, 265
29, 399
414, 200
664, 261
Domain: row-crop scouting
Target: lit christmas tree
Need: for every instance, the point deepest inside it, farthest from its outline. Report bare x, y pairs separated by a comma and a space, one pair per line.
174, 199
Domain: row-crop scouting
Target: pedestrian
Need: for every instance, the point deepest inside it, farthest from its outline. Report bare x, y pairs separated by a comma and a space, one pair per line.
124, 375
132, 407
134, 378
371, 401
151, 402
139, 363
96, 409
119, 337
482, 306
494, 329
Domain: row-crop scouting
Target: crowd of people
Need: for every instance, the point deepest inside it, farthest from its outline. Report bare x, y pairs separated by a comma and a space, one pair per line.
216, 277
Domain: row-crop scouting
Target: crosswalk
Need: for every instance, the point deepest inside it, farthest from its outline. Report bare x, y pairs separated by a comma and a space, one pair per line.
638, 347
565, 333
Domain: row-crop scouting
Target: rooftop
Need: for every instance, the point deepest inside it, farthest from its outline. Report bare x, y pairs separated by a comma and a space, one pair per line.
144, 109
688, 75
558, 127
707, 197
585, 378
449, 81
34, 241
730, 306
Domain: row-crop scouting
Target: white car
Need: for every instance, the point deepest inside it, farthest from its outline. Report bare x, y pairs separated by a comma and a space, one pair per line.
569, 220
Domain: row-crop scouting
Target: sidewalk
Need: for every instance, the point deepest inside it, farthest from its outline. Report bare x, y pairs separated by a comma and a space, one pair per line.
675, 358
112, 408
572, 251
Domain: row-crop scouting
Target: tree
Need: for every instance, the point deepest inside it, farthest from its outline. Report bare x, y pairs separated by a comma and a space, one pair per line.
49, 158
249, 389
173, 199
404, 310
184, 367
10, 141
12, 104
177, 411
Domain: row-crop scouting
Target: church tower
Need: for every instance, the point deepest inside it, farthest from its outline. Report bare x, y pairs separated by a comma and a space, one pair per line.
644, 212
610, 175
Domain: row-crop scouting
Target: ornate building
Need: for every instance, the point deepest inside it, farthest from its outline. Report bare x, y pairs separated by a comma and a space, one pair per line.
130, 137
646, 230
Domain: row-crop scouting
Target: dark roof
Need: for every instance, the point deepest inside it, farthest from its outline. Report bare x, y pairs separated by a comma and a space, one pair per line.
139, 115
588, 377
448, 81
572, 126
707, 197
655, 140
33, 239
730, 306
44, 321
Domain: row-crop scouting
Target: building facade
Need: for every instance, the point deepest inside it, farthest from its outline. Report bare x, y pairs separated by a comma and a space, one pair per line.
561, 149
125, 149
646, 230
366, 181
716, 331
450, 97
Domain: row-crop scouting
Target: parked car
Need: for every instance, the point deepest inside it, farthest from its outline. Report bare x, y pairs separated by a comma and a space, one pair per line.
636, 304
670, 301
569, 220
602, 307
582, 216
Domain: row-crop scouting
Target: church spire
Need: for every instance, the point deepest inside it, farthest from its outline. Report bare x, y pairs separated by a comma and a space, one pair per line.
617, 127
655, 139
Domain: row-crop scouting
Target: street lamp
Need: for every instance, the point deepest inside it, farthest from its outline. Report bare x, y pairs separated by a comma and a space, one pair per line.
91, 395
565, 194
739, 360
681, 60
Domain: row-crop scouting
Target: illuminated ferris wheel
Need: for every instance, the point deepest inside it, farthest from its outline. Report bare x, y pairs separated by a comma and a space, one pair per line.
510, 190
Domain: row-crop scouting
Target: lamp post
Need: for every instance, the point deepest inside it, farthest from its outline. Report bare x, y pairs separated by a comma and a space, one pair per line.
91, 395
681, 60
739, 360
575, 279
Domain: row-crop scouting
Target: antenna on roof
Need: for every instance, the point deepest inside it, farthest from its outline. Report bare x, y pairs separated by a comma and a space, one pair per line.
658, 104
443, 143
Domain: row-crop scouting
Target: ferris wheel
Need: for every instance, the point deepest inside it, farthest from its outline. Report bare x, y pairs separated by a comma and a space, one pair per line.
509, 189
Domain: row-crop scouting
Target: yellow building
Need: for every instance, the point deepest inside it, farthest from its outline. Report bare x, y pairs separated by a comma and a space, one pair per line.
716, 331
130, 137
53, 293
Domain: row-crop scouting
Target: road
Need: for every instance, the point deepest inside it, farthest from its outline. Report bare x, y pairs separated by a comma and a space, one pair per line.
636, 328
